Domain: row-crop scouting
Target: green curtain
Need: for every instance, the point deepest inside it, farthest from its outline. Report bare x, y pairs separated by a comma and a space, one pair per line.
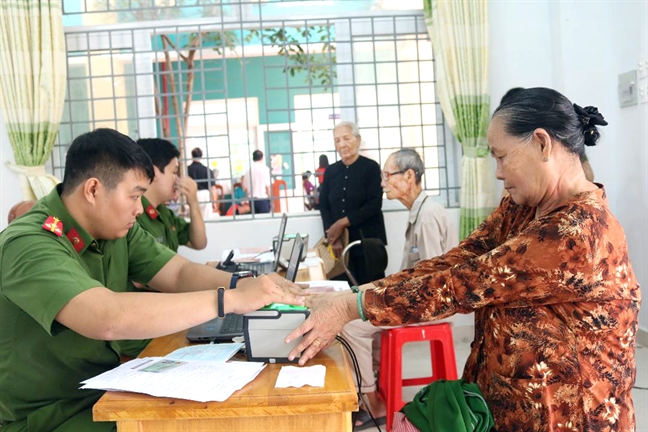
459, 33
32, 86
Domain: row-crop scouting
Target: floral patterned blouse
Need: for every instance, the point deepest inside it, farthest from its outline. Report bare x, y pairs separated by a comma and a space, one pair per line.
556, 304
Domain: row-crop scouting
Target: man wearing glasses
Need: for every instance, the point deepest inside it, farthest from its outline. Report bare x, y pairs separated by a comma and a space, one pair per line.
429, 233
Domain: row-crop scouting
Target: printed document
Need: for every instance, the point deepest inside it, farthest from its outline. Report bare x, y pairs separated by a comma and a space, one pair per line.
201, 381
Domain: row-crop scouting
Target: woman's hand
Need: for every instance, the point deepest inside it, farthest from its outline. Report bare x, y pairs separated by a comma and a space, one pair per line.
329, 313
335, 231
337, 247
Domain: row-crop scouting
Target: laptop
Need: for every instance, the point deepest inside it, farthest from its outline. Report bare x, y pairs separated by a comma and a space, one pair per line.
223, 330
295, 258
278, 260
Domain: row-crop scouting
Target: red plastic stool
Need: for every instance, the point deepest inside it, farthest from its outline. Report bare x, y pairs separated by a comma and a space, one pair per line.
390, 377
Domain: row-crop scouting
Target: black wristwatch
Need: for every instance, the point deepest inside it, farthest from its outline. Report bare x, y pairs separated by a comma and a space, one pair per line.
239, 275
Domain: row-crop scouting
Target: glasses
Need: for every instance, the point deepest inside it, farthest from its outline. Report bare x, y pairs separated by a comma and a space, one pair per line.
385, 175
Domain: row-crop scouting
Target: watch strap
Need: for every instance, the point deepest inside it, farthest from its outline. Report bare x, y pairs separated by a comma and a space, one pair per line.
236, 276
221, 302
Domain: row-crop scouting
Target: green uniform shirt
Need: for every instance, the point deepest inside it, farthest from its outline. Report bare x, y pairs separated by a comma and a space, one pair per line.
43, 265
167, 228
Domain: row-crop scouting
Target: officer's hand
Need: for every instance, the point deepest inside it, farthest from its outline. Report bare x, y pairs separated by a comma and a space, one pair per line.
188, 187
254, 293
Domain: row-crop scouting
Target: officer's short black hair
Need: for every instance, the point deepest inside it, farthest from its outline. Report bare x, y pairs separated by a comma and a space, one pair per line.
105, 154
257, 155
159, 150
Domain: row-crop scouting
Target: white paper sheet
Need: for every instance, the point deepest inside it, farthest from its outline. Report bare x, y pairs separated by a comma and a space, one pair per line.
219, 353
293, 376
193, 380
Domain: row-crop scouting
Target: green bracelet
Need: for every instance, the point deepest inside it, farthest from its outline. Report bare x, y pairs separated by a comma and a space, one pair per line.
360, 312
355, 289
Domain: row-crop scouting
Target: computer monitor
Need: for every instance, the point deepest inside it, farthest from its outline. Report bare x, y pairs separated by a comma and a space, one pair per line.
282, 233
295, 258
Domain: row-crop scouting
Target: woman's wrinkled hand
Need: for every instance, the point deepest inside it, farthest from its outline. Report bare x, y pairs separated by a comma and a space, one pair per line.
337, 247
335, 231
329, 313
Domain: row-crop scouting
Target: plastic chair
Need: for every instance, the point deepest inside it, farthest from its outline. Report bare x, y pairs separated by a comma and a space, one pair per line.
390, 377
276, 193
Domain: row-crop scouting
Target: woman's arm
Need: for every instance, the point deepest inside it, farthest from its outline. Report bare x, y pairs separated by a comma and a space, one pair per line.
564, 257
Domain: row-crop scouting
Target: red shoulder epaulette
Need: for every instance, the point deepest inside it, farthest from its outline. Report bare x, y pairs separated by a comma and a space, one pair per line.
150, 210
53, 224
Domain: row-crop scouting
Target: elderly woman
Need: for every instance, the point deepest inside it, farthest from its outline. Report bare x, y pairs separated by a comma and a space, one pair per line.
428, 233
351, 197
547, 274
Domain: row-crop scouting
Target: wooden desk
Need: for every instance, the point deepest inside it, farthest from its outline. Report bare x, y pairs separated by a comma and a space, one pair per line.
257, 407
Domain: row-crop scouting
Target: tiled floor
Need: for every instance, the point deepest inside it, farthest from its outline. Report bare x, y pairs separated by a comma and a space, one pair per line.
417, 357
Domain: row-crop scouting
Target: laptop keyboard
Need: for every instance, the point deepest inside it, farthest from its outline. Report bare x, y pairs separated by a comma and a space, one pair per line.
232, 323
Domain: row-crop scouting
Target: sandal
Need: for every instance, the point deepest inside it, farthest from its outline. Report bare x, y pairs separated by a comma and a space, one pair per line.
366, 421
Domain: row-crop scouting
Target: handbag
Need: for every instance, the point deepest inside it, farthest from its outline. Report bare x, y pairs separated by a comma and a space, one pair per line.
332, 266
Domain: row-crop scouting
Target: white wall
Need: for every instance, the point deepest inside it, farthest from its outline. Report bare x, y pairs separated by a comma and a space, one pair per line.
579, 48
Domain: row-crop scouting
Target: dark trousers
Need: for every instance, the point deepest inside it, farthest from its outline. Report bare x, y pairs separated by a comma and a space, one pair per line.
261, 205
359, 270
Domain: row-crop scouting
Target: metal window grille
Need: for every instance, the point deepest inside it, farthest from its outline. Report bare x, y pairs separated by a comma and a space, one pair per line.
239, 80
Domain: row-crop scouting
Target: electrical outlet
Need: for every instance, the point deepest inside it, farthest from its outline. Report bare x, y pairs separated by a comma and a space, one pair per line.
642, 91
642, 68
627, 89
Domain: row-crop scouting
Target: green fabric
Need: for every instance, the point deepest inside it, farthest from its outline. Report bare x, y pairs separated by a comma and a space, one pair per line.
167, 228
459, 33
452, 406
33, 72
42, 362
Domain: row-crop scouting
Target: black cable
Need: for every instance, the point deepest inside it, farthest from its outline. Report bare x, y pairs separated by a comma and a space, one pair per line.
640, 388
356, 368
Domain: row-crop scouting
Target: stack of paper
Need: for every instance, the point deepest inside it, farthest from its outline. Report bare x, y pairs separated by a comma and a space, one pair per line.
180, 375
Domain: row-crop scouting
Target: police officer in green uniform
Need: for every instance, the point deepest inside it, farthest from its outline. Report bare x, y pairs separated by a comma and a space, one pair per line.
167, 228
158, 220
64, 270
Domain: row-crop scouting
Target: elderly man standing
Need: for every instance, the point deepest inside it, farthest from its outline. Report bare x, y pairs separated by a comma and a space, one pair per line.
429, 233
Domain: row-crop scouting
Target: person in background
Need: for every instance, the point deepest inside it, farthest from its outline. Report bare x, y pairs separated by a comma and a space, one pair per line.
309, 191
19, 209
241, 199
319, 175
206, 182
319, 172
429, 233
64, 272
351, 198
256, 183
547, 274
587, 167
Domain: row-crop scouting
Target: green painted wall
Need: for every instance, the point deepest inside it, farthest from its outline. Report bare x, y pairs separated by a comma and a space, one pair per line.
222, 79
